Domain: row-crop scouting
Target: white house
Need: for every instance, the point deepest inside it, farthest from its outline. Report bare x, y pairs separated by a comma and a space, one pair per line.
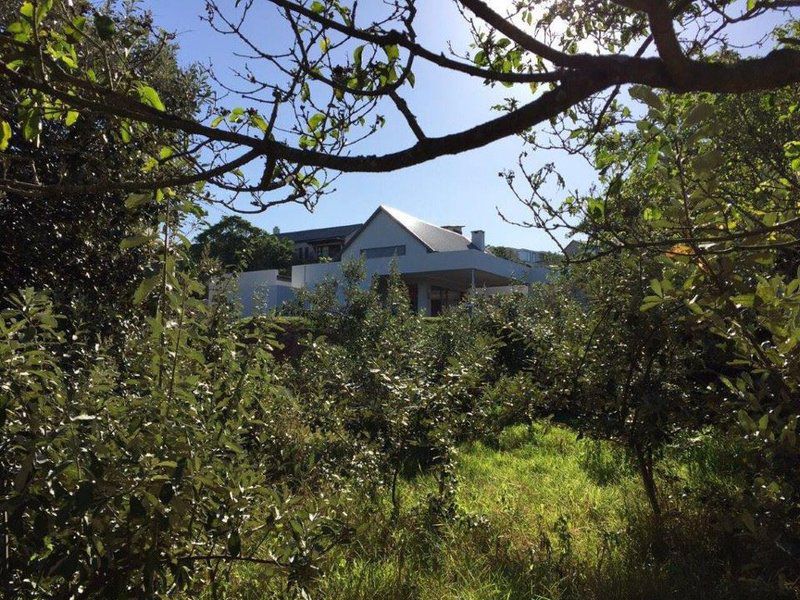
439, 265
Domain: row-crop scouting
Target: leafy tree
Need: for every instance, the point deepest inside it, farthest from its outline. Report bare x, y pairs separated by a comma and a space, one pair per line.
70, 243
504, 252
239, 244
342, 71
702, 194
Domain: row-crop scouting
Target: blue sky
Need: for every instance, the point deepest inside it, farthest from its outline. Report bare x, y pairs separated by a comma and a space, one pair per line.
462, 190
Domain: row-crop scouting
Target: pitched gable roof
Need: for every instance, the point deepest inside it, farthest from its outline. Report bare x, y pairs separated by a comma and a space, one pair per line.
434, 238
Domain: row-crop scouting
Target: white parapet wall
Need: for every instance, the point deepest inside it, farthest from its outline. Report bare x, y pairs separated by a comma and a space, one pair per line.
501, 289
312, 275
264, 291
261, 291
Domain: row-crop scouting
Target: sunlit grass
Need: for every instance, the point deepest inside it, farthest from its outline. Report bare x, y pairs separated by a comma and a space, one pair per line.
531, 508
543, 515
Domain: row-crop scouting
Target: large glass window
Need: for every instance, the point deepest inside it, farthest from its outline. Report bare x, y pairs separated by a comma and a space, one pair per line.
383, 251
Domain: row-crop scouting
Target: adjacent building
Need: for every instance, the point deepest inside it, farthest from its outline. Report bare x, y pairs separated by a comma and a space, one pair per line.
312, 244
439, 265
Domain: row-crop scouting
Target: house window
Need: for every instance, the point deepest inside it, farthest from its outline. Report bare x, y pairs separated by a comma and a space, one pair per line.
383, 251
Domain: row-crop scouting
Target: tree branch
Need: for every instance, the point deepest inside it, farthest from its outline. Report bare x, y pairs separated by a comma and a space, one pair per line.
396, 38
669, 49
411, 119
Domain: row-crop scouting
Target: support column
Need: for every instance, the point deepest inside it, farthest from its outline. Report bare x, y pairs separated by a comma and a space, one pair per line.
424, 298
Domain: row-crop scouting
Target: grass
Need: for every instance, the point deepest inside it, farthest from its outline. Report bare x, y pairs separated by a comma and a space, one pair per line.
544, 515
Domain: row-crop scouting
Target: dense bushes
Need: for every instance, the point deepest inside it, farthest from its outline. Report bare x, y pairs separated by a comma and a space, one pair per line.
152, 442
151, 471
156, 460
202, 443
154, 466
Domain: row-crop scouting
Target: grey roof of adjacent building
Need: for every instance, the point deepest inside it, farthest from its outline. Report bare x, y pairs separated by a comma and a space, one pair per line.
434, 238
324, 233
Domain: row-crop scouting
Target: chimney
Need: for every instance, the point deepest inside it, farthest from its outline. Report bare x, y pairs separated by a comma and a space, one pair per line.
276, 230
479, 239
459, 229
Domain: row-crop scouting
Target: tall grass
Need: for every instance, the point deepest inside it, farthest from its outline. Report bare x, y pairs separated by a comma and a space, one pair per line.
545, 515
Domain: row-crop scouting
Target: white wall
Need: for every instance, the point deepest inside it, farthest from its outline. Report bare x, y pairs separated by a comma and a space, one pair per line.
384, 231
501, 289
262, 291
312, 275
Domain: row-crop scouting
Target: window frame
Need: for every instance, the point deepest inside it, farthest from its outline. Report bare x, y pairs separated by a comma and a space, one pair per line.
387, 251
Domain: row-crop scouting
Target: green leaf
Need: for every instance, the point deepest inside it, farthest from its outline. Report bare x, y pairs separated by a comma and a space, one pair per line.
357, 56
708, 161
646, 95
652, 155
259, 122
763, 422
317, 7
650, 302
145, 288
21, 31
72, 116
652, 213
134, 241
392, 52
5, 135
745, 421
42, 8
315, 121
596, 207
136, 200
655, 285
743, 300
150, 97
699, 113
694, 307
105, 26
236, 114
32, 125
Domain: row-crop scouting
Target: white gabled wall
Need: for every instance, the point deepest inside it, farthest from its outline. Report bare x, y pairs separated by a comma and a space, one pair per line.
384, 231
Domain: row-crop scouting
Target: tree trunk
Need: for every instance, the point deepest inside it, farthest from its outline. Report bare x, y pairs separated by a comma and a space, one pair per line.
644, 459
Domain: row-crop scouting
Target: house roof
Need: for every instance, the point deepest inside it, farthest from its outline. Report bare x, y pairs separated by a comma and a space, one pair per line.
434, 238
317, 235
573, 248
